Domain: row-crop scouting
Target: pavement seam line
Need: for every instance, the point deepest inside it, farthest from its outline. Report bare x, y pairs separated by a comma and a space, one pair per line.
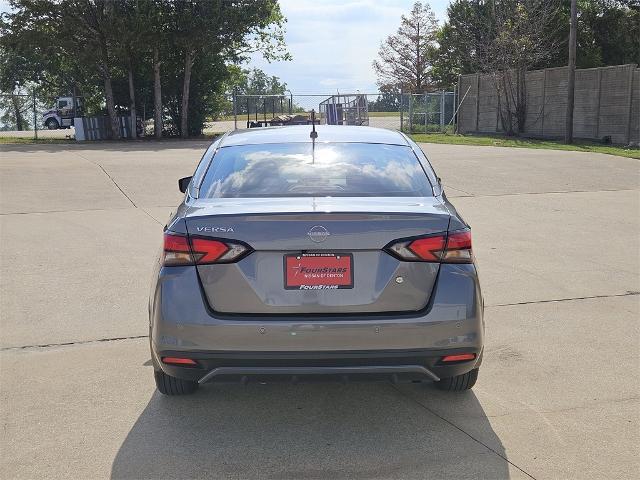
96, 164
77, 342
458, 189
119, 188
423, 406
67, 211
151, 216
116, 184
533, 302
113, 339
588, 405
73, 210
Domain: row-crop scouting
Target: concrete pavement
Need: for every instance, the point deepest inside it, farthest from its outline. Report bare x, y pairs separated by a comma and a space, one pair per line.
557, 239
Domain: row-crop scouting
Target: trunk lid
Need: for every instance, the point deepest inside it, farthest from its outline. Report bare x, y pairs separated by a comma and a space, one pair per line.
355, 227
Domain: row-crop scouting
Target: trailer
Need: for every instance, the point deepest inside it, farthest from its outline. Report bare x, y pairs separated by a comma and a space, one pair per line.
345, 109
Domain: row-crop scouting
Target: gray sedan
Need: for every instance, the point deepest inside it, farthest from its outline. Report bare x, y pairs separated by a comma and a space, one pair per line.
298, 255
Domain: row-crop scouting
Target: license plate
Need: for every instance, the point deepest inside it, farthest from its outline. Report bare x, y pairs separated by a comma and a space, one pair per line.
318, 271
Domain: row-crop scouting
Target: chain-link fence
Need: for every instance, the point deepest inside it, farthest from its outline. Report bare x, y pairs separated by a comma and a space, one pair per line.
25, 116
429, 112
22, 116
410, 113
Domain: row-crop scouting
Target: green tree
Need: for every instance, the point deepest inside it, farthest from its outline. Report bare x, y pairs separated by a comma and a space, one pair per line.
608, 32
466, 27
121, 55
503, 38
134, 22
405, 58
34, 32
256, 82
14, 104
385, 102
232, 29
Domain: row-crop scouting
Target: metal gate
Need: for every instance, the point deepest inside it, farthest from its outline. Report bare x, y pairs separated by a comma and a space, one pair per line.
410, 113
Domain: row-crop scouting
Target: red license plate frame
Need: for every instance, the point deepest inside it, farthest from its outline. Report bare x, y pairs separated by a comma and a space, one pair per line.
318, 271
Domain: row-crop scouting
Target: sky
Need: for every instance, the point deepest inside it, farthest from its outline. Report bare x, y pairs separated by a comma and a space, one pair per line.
334, 42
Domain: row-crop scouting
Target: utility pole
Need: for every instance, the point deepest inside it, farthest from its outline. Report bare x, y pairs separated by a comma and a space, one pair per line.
571, 84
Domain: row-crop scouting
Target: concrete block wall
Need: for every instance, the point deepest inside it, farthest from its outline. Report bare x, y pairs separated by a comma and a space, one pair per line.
487, 106
634, 125
468, 97
586, 103
555, 102
535, 102
615, 103
607, 103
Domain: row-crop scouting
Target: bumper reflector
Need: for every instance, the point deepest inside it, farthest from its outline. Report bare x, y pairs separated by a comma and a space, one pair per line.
185, 362
462, 357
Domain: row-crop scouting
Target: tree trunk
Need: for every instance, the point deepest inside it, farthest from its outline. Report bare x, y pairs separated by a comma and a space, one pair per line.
184, 111
111, 108
132, 99
506, 113
157, 95
15, 101
108, 89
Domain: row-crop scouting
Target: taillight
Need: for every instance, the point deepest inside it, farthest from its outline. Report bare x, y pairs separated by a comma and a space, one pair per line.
458, 247
182, 250
428, 248
454, 247
207, 251
176, 250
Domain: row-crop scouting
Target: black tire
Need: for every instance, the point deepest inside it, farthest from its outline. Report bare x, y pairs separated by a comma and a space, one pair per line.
169, 385
459, 383
52, 124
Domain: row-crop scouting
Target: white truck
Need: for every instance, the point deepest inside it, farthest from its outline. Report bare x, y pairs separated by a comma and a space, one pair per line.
62, 113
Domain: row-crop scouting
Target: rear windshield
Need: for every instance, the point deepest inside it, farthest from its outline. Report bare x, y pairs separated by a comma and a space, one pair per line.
334, 169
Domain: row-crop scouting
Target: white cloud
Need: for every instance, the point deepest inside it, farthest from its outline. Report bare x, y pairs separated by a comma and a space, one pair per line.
4, 6
333, 43
329, 82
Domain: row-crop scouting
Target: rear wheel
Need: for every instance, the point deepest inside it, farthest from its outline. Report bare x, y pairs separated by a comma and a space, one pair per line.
169, 385
459, 383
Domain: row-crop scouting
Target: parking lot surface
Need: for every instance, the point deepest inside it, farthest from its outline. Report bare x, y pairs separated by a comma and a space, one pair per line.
557, 236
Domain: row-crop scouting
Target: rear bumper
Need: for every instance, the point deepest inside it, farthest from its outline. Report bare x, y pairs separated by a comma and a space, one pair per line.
182, 325
404, 364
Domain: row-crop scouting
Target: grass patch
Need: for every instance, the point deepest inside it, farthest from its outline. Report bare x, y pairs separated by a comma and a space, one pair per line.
497, 141
208, 135
225, 118
384, 114
148, 139
33, 141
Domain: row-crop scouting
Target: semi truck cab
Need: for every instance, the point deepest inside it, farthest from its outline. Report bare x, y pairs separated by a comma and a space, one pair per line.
62, 113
